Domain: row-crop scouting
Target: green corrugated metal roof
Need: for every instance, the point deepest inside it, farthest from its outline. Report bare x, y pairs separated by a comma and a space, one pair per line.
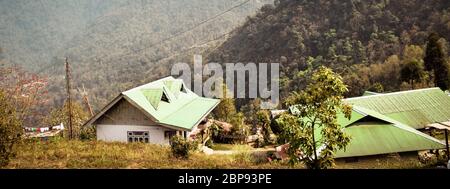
383, 135
194, 109
374, 133
153, 96
369, 93
184, 110
174, 86
415, 108
372, 138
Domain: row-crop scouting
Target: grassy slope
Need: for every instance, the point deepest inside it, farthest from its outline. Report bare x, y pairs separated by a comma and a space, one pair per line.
95, 154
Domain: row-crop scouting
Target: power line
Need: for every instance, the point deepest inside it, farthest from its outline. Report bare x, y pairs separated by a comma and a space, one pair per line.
187, 30
174, 35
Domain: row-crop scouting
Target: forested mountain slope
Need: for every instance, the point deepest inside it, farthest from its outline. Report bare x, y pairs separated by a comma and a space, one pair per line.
365, 41
112, 45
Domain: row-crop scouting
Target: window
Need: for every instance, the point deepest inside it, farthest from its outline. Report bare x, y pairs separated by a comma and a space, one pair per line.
138, 136
182, 89
164, 97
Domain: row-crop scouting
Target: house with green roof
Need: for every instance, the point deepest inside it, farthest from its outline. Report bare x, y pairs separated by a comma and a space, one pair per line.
383, 123
152, 113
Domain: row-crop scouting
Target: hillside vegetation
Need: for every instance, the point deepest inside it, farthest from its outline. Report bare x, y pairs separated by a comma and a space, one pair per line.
112, 45
366, 42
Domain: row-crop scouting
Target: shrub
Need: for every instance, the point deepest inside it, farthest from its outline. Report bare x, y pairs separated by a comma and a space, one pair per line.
181, 148
10, 131
87, 133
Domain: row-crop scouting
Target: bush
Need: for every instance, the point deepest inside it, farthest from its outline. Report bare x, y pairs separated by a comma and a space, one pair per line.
88, 133
10, 131
181, 148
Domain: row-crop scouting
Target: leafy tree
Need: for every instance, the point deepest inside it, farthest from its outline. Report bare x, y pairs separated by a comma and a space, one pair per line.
435, 61
26, 91
250, 111
377, 87
79, 117
10, 130
412, 71
226, 108
311, 127
264, 122
239, 129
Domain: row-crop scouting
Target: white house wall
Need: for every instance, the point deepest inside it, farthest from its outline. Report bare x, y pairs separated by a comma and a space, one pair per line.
118, 133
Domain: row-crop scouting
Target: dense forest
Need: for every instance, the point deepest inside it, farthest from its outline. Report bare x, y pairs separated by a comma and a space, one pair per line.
366, 42
112, 45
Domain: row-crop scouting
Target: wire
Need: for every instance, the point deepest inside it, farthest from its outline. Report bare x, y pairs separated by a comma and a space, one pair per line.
171, 37
187, 30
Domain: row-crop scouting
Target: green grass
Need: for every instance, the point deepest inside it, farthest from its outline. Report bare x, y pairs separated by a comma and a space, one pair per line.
96, 154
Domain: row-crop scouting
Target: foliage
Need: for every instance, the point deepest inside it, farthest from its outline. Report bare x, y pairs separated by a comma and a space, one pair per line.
412, 71
364, 41
79, 117
226, 109
27, 93
239, 130
181, 147
264, 123
311, 127
10, 130
435, 61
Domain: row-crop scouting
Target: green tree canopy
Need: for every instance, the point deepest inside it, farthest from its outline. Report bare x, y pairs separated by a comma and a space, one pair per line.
79, 116
435, 61
10, 130
311, 127
412, 71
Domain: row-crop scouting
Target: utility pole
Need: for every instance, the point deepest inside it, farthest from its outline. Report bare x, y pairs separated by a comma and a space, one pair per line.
69, 100
84, 94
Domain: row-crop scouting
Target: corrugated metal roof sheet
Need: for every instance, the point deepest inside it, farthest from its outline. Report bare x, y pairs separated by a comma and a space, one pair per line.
384, 135
372, 138
153, 96
415, 108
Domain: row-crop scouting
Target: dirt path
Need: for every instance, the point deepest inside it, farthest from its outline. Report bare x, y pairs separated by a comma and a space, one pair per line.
254, 151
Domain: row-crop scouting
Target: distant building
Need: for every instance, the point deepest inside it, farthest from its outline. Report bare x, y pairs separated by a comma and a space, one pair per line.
43, 133
152, 113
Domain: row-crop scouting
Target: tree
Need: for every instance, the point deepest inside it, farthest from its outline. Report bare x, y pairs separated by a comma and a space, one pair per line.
226, 108
79, 116
26, 91
435, 61
10, 130
263, 117
412, 71
311, 127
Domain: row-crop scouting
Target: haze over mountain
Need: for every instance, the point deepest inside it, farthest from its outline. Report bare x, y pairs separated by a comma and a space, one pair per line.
112, 44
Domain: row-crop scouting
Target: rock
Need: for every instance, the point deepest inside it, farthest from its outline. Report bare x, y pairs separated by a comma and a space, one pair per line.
280, 151
207, 151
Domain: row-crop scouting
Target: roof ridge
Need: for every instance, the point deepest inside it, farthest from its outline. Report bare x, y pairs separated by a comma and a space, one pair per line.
396, 123
391, 93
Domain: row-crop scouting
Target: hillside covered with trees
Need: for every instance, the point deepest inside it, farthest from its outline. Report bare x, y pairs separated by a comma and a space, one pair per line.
112, 45
367, 42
